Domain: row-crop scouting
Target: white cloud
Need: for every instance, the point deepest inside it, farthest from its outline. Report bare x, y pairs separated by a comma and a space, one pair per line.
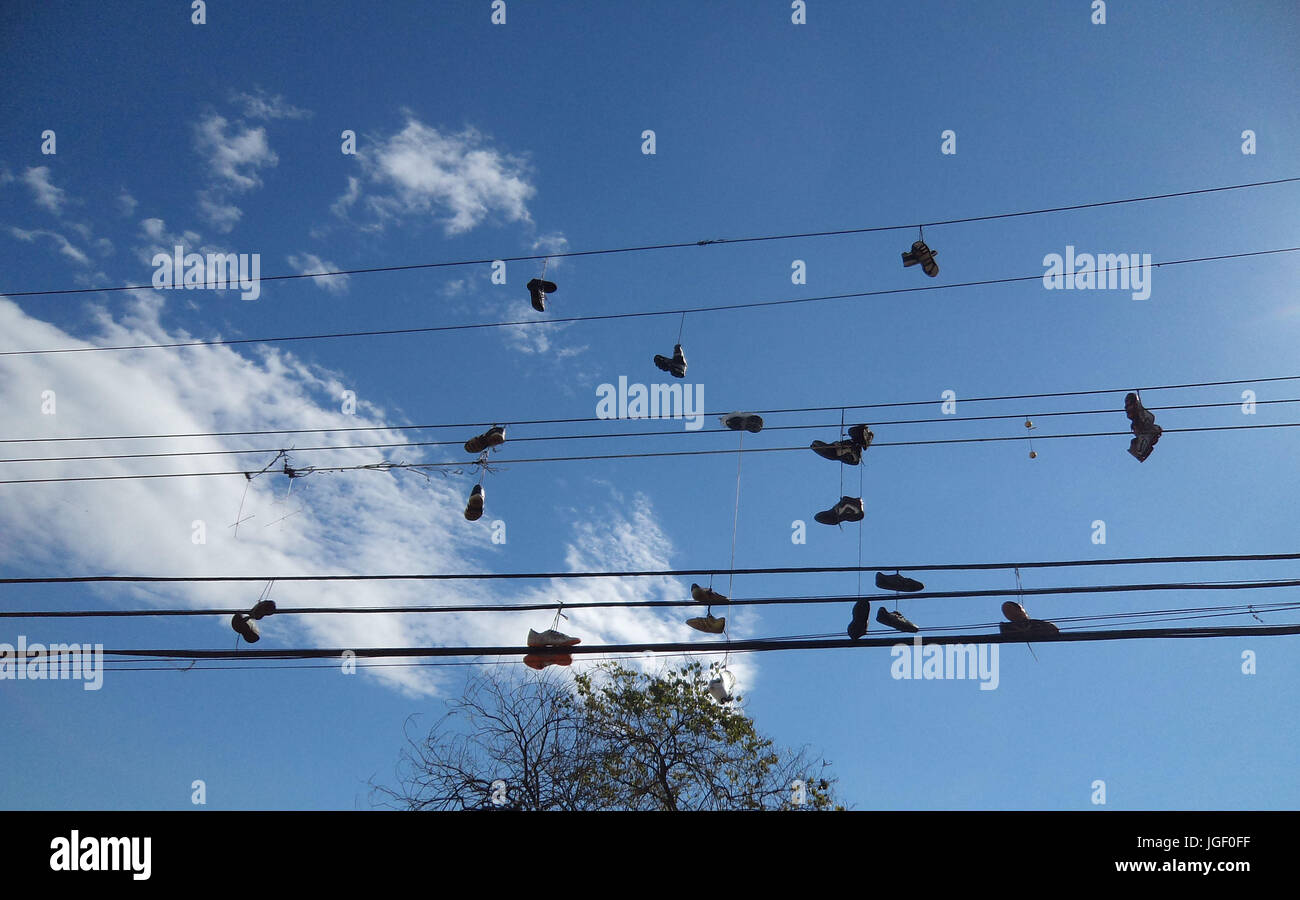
260, 105
349, 197
45, 193
359, 522
233, 154
219, 214
63, 244
457, 179
126, 204
310, 263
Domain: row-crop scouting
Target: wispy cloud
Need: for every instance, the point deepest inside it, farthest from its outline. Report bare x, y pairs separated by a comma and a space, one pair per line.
43, 190
261, 105
62, 244
310, 264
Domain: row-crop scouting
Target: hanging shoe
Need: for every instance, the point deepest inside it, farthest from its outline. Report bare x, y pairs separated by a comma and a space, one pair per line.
861, 618
707, 596
262, 609
474, 508
1142, 445
537, 291
493, 437
895, 620
709, 624
1014, 611
849, 509
676, 365
1143, 423
922, 254
898, 583
846, 452
861, 436
551, 638
542, 660
245, 627
718, 689
743, 422
1030, 629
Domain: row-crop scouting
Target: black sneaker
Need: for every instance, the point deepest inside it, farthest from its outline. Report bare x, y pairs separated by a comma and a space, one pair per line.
493, 437
922, 254
895, 620
1142, 445
861, 617
743, 422
1014, 612
245, 627
676, 365
849, 509
898, 583
474, 509
1030, 629
861, 435
537, 291
841, 451
263, 609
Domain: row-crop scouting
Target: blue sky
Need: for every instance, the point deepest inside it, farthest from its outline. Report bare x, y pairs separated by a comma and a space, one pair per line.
481, 141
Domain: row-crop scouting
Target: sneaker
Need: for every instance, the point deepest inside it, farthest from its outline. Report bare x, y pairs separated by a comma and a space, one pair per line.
1014, 612
922, 254
743, 422
1142, 419
849, 509
537, 291
846, 452
861, 618
263, 609
895, 620
493, 437
1030, 629
898, 583
245, 627
474, 508
676, 365
718, 689
706, 596
709, 624
861, 435
542, 660
1142, 445
550, 638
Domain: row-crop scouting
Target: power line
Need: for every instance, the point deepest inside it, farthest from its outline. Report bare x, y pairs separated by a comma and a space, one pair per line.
609, 316
677, 245
655, 573
617, 434
592, 419
385, 465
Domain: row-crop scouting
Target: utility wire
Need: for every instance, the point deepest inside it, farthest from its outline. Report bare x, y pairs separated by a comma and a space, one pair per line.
384, 465
591, 419
655, 573
676, 245
429, 329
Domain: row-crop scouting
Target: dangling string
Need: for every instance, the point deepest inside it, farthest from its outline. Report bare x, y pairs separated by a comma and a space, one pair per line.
544, 262
681, 328
482, 466
841, 438
1020, 593
860, 530
559, 614
735, 522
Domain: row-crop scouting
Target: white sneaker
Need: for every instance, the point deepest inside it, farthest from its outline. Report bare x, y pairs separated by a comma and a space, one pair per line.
551, 638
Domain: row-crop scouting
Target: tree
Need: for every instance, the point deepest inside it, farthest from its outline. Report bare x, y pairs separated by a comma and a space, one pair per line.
613, 739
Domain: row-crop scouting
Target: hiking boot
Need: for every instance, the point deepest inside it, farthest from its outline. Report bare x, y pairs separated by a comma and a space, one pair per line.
861, 618
895, 620
898, 583
922, 254
706, 596
849, 509
245, 627
542, 660
709, 624
493, 437
551, 638
676, 365
537, 291
263, 609
861, 435
743, 422
474, 508
1014, 611
846, 452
